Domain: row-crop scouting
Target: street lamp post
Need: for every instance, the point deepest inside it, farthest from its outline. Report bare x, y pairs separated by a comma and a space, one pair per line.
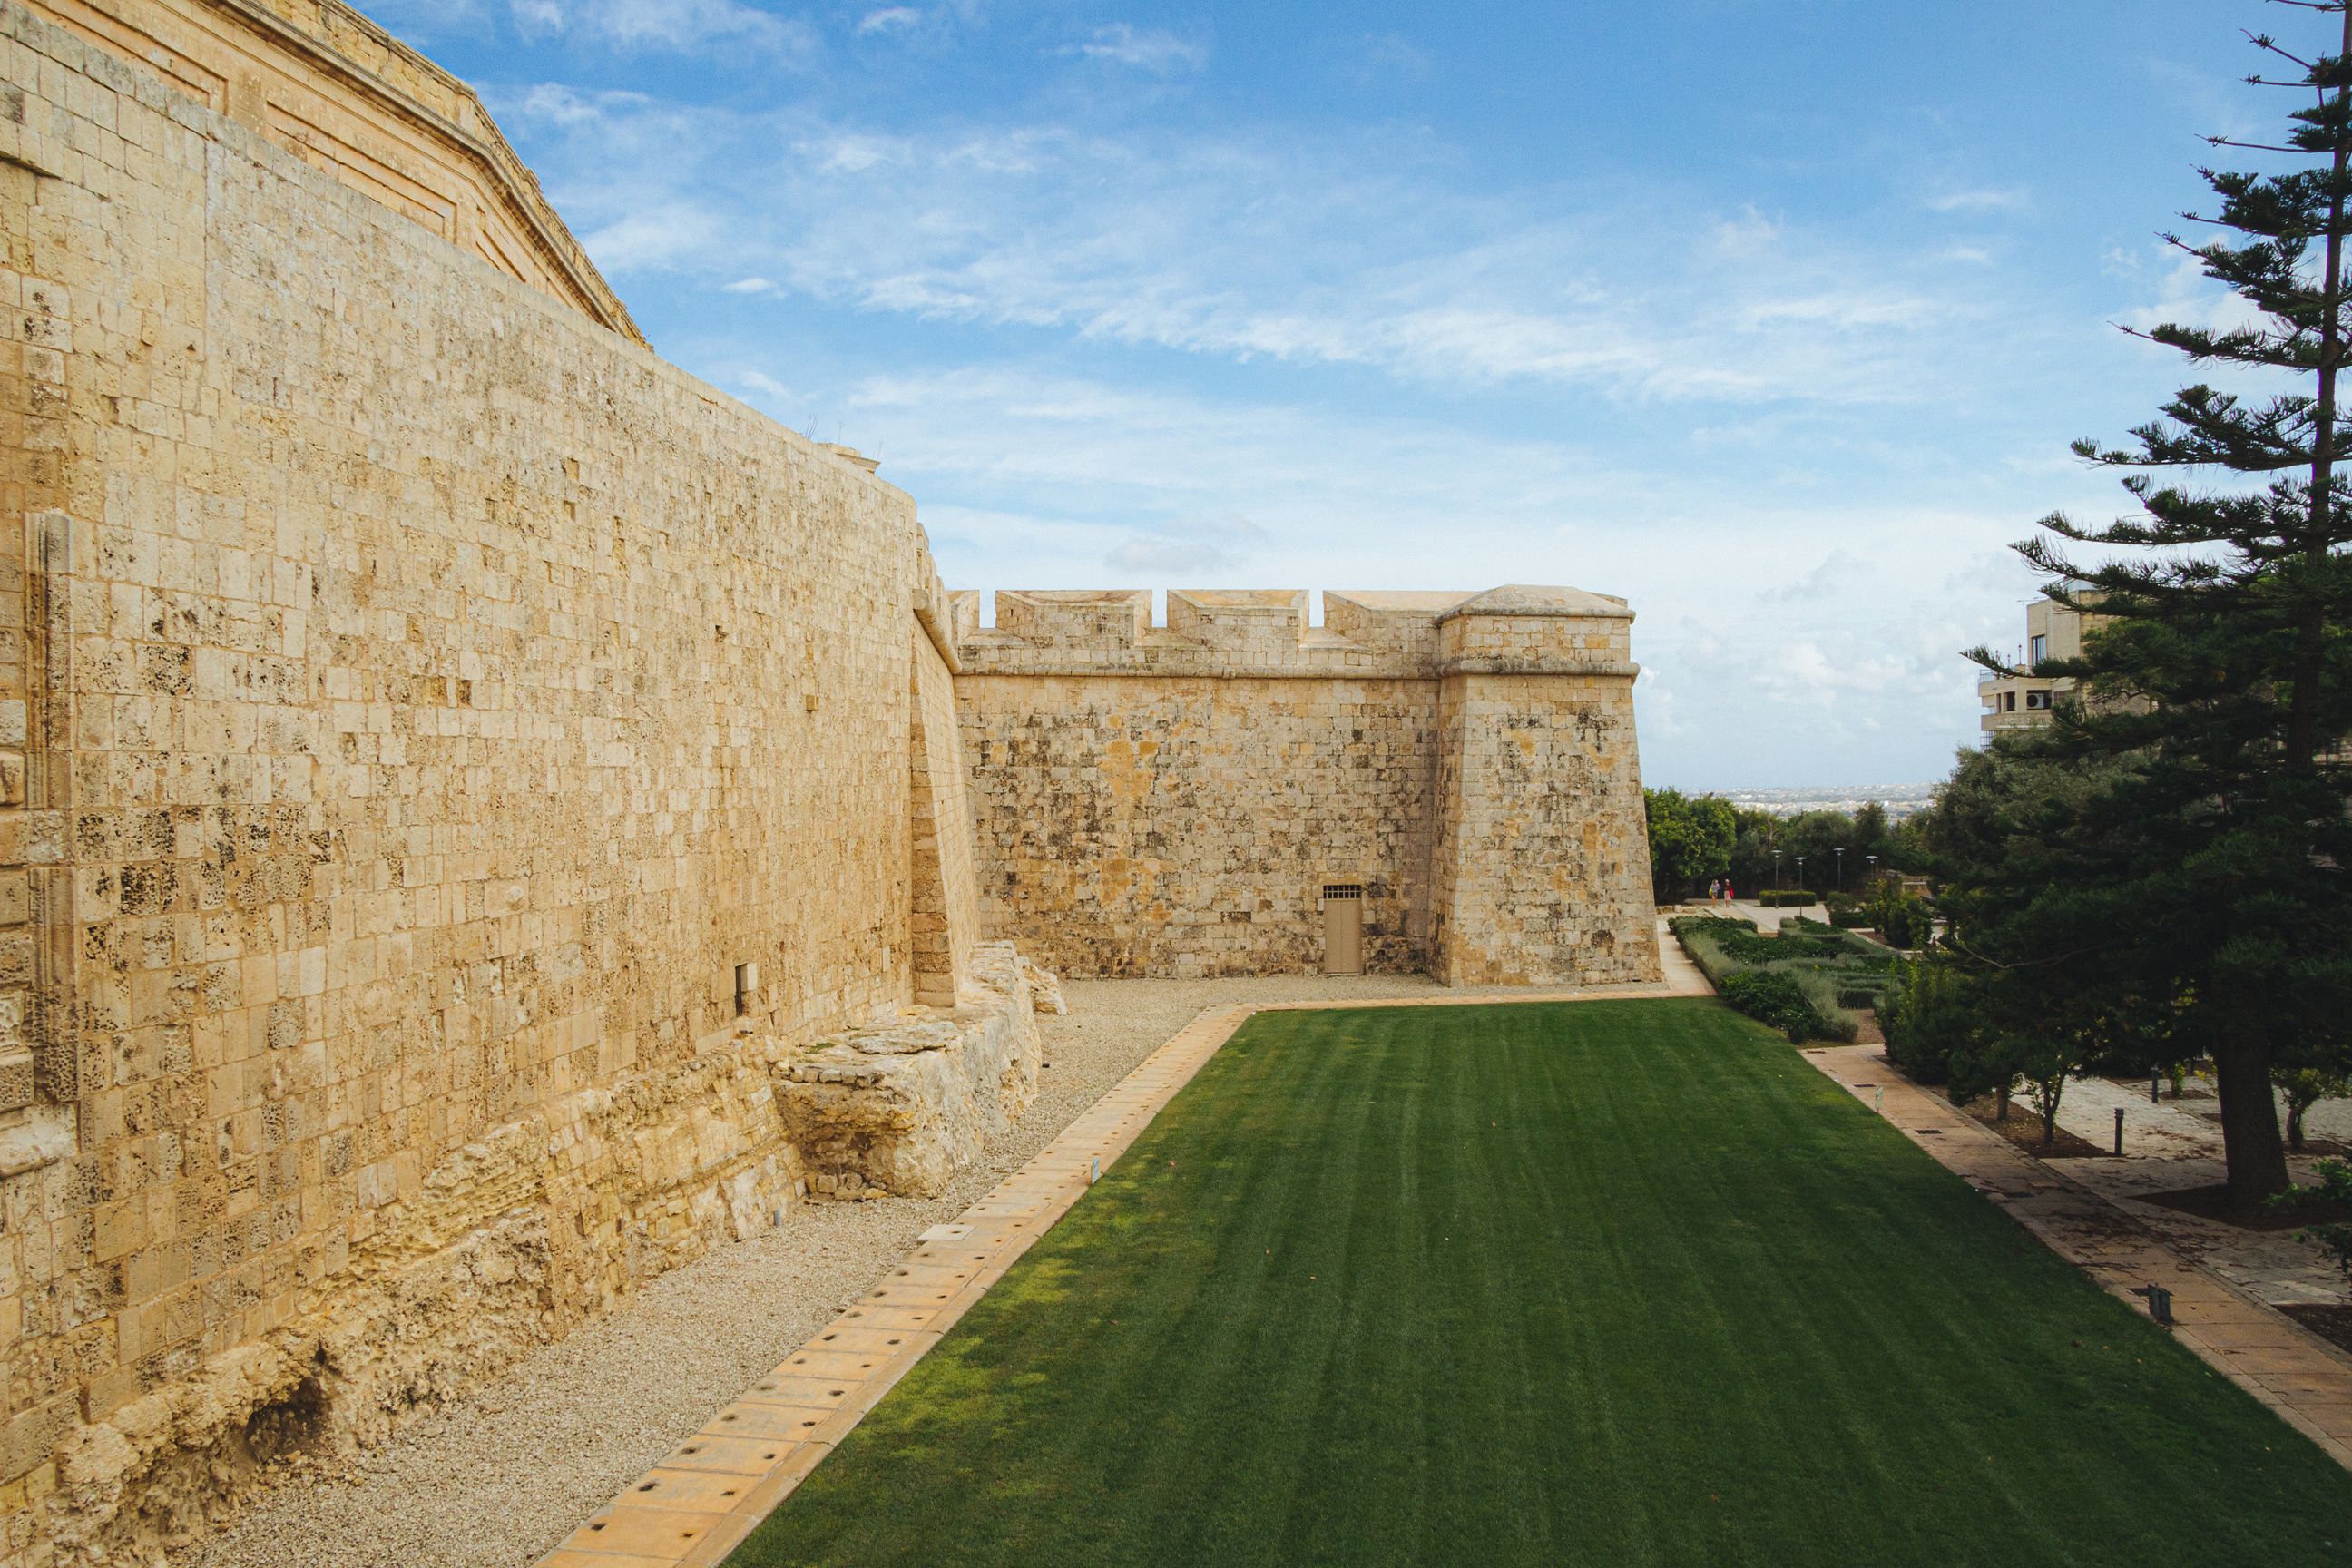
1840, 867
1800, 870
1776, 870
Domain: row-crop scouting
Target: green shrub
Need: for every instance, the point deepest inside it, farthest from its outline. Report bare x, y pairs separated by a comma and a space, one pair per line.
1820, 989
2335, 1240
1786, 897
1851, 918
1927, 1018
1682, 923
1860, 997
1709, 957
1903, 919
1775, 1000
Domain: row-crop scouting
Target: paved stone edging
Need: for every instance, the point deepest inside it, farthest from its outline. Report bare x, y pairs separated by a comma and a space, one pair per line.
2301, 1376
695, 1507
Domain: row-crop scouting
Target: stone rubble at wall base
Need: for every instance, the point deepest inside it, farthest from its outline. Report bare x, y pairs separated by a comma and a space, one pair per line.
526, 1233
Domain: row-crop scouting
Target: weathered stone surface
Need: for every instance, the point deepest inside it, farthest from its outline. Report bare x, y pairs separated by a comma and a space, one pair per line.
484, 818
1173, 800
1044, 990
459, 753
897, 1105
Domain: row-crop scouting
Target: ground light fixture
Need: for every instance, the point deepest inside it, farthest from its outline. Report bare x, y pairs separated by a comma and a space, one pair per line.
2159, 1302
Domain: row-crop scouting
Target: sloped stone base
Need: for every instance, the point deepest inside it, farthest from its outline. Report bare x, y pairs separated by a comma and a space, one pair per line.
522, 1235
898, 1106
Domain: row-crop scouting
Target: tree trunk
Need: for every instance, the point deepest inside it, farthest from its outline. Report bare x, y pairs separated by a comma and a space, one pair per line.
2294, 1127
2001, 1101
2250, 1127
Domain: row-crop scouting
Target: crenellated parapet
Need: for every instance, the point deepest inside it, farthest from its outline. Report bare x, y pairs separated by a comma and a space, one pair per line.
1262, 634
1191, 795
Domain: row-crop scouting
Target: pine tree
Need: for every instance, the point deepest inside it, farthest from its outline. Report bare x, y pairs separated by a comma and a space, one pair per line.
2214, 865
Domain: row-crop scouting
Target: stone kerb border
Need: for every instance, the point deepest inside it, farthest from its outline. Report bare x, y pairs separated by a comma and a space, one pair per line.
699, 1502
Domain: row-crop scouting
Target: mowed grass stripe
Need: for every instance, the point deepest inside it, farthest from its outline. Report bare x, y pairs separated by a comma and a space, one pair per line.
1608, 1283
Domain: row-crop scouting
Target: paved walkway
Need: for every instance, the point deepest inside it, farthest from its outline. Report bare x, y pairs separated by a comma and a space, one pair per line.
2176, 1144
1683, 978
2307, 1380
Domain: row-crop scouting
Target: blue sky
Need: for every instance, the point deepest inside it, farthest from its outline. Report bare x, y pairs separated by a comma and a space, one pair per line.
1774, 317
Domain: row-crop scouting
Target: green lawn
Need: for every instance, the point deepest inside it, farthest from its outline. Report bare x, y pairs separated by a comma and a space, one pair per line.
1609, 1283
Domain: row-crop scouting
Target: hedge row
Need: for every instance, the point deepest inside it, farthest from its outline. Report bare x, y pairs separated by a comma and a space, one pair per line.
1775, 1000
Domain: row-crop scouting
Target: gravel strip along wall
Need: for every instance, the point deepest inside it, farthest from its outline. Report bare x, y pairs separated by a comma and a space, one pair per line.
502, 1477
454, 768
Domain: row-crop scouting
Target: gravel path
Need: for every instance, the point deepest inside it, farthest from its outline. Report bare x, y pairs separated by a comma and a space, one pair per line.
499, 1479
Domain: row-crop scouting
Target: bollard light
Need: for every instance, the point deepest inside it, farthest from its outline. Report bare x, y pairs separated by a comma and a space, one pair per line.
2119, 1129
1096, 1175
2155, 1083
2159, 1304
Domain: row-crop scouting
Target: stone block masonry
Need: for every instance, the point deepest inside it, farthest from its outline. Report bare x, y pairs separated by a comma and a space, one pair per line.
483, 817
1173, 800
454, 766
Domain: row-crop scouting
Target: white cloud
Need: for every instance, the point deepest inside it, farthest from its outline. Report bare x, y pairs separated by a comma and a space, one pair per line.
890, 19
673, 27
1979, 200
1363, 253
1069, 482
765, 385
657, 235
748, 286
1152, 49
855, 153
1191, 544
1389, 55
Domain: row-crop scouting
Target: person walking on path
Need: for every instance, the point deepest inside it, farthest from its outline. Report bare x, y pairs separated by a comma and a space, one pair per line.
1714, 891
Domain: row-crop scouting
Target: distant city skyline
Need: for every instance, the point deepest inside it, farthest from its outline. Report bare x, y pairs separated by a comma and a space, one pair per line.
1737, 310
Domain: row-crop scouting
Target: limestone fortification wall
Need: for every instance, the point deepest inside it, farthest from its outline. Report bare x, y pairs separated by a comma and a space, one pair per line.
475, 805
483, 817
1173, 799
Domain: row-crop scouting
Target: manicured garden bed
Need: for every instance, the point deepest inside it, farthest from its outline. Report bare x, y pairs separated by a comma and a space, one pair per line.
1809, 980
1606, 1282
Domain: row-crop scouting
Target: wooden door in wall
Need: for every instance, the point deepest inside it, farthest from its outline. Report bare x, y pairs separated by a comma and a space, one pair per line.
1343, 929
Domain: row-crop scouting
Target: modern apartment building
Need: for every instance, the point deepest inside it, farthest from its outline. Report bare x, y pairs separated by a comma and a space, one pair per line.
2022, 701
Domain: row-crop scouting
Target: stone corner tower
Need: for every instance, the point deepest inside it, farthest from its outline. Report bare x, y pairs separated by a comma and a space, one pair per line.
1540, 871
1190, 798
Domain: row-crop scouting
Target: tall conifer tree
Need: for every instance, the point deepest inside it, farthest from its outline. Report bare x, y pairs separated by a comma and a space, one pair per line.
2214, 867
